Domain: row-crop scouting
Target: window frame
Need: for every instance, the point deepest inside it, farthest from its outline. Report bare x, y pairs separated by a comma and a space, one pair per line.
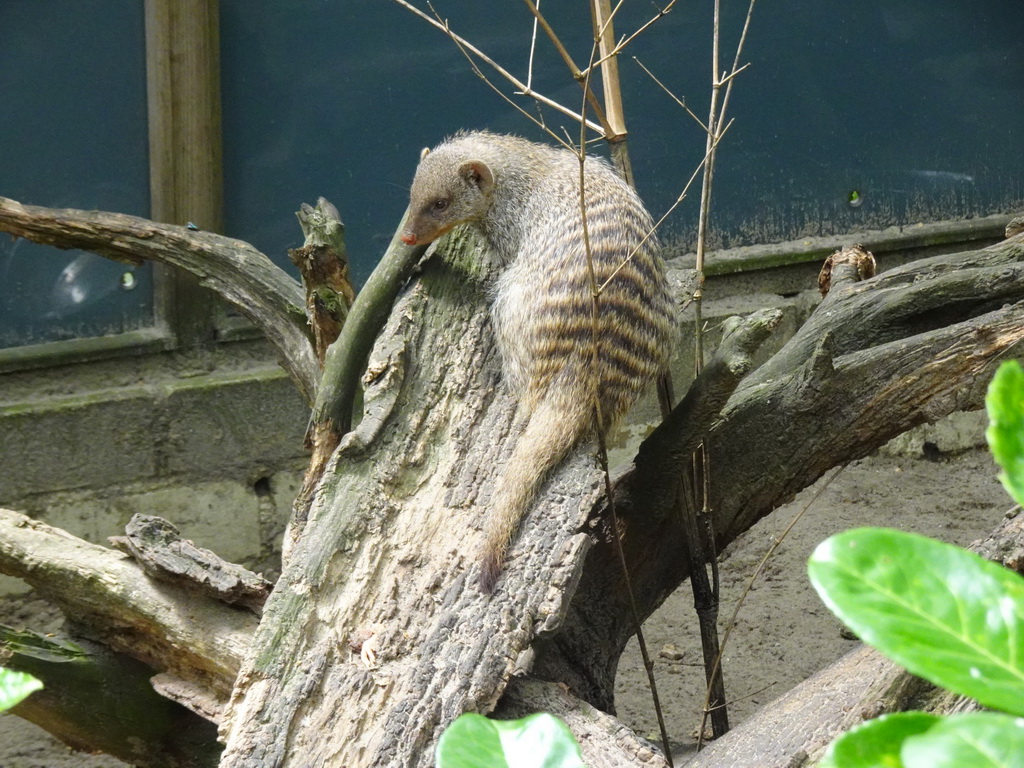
185, 179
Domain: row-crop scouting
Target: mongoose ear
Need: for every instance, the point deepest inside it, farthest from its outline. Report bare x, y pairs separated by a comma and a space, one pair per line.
477, 173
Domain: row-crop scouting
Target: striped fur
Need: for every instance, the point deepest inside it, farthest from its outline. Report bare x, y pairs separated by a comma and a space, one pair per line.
524, 199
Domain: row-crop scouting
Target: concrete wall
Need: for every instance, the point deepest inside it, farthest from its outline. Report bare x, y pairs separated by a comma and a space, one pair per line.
212, 440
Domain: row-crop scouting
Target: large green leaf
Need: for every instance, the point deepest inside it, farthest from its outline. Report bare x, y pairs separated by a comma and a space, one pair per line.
940, 611
1005, 404
537, 741
978, 740
877, 743
15, 686
470, 741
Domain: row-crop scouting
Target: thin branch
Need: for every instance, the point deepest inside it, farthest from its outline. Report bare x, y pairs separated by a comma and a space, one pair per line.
705, 192
701, 460
672, 96
730, 625
736, 69
627, 40
599, 421
533, 51
714, 120
658, 223
584, 81
728, 78
516, 83
538, 120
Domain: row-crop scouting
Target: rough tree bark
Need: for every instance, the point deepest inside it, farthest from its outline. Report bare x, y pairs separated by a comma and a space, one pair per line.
376, 637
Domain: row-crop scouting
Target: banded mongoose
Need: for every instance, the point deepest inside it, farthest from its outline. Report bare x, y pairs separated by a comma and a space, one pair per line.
524, 200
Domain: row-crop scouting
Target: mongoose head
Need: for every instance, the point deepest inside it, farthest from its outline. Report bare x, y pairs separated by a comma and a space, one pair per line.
446, 193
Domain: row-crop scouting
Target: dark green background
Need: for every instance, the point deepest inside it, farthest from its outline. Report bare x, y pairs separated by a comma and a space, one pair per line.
916, 105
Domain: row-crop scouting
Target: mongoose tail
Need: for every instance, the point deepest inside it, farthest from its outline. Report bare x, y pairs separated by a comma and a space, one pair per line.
555, 426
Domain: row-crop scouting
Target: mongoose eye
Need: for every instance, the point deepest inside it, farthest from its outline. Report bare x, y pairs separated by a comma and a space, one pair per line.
440, 204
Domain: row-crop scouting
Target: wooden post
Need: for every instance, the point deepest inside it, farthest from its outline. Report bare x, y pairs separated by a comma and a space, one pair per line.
185, 157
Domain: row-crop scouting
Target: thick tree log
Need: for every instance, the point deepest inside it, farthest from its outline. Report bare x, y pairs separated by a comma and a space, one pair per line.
384, 566
95, 699
262, 291
376, 637
877, 358
112, 601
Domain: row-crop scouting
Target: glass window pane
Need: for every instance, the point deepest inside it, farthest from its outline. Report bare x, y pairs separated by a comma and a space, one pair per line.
73, 128
852, 116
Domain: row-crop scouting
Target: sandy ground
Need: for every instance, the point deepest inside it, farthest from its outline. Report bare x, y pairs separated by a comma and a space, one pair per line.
783, 633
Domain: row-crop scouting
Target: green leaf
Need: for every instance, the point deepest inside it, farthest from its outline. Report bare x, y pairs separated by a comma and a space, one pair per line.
537, 741
942, 612
1005, 404
877, 743
978, 740
470, 741
15, 686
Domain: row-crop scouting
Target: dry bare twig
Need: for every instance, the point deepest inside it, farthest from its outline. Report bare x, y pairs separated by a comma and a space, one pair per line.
522, 87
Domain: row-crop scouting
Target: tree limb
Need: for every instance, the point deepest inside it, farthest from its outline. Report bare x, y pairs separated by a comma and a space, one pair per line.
781, 431
196, 638
323, 263
399, 638
344, 365
95, 699
262, 291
